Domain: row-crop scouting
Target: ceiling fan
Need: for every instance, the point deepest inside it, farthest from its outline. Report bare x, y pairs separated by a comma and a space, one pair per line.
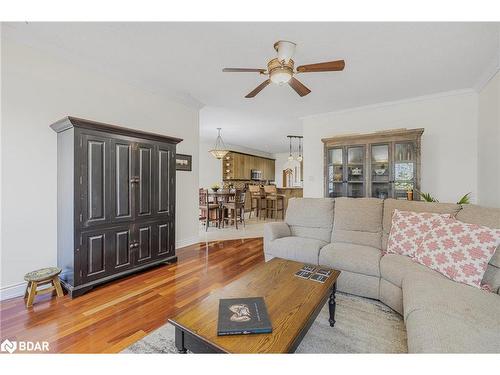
280, 70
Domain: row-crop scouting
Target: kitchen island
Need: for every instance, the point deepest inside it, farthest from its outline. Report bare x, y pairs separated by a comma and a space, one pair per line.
290, 192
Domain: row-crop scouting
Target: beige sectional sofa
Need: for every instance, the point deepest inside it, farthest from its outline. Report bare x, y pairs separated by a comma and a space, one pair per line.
351, 235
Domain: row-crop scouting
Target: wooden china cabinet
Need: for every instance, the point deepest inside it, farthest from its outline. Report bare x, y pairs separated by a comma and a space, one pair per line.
380, 165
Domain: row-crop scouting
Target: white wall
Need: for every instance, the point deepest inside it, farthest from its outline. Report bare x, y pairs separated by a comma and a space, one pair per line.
37, 90
449, 143
281, 164
210, 167
489, 143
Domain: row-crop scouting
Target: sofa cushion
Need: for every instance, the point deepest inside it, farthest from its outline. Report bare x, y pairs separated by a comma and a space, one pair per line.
417, 206
358, 221
444, 316
351, 257
460, 251
296, 248
490, 217
310, 217
408, 229
430, 331
394, 268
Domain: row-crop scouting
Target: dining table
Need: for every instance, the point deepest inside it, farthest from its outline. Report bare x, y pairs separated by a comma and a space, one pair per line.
220, 197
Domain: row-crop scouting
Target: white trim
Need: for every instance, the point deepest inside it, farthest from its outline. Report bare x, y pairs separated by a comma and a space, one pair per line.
187, 242
395, 102
12, 291
17, 290
487, 75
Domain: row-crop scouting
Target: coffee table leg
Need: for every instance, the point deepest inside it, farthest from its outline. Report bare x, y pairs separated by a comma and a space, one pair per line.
332, 305
179, 340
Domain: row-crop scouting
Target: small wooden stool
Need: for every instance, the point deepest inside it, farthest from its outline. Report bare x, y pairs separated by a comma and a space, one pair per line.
41, 277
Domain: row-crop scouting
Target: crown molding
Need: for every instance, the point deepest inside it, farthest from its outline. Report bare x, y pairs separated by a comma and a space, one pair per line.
395, 102
488, 74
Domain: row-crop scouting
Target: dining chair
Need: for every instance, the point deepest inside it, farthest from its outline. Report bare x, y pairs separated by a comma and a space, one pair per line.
206, 208
236, 207
273, 200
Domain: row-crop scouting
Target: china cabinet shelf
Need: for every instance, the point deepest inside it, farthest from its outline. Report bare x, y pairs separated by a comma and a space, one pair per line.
394, 154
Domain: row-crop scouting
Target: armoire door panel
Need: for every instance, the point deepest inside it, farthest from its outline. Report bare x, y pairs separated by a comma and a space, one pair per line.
95, 180
96, 253
122, 179
122, 245
164, 174
163, 239
96, 173
145, 184
144, 250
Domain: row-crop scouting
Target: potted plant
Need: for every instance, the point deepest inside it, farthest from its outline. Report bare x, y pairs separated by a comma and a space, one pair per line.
409, 194
215, 187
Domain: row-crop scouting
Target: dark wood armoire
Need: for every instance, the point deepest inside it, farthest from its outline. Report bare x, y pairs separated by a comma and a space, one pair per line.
115, 201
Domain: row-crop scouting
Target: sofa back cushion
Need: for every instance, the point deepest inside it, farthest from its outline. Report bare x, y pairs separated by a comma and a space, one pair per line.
310, 217
358, 221
489, 217
458, 250
408, 229
416, 206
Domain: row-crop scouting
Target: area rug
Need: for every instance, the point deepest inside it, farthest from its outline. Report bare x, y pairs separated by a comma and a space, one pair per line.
363, 326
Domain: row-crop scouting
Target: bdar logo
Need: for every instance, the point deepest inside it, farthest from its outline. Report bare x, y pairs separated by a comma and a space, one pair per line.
8, 346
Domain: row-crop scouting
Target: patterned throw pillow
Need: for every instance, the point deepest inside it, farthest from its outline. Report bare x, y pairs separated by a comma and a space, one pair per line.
408, 229
458, 250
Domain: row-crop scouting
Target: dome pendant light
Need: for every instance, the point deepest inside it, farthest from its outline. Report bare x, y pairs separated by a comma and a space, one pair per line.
220, 148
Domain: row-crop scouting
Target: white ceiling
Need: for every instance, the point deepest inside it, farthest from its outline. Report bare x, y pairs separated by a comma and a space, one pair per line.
384, 62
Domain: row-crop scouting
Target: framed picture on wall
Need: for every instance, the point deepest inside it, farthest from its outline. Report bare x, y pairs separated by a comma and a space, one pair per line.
183, 162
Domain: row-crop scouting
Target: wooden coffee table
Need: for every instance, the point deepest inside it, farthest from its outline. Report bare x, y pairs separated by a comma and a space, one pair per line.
292, 303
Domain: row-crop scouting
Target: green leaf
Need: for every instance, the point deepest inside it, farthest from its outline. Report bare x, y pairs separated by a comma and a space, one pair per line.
465, 199
427, 197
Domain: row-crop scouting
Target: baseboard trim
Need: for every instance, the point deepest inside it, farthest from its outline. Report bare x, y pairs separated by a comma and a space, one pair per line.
17, 290
12, 291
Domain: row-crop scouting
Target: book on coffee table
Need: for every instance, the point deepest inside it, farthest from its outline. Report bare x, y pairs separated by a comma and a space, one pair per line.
243, 316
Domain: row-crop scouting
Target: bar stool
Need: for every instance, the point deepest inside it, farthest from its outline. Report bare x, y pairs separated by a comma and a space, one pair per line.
41, 277
272, 201
256, 200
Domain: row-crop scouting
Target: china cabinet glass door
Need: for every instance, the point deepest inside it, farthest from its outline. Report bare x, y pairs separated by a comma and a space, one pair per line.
380, 171
355, 171
336, 186
404, 168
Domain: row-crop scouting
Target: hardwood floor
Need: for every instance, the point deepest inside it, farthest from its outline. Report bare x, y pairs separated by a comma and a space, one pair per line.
112, 317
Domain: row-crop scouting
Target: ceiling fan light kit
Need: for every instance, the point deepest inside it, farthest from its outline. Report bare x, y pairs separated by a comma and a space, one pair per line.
280, 73
280, 70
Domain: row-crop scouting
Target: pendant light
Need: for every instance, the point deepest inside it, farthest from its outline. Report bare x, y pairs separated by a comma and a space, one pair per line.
299, 158
220, 148
290, 157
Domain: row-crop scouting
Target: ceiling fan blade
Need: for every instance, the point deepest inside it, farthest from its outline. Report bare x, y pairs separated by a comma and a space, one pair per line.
258, 89
330, 66
298, 87
243, 70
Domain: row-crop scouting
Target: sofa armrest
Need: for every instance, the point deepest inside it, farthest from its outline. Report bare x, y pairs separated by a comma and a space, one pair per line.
273, 231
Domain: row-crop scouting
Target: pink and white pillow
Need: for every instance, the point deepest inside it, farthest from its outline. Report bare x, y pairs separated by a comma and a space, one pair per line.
408, 230
458, 250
